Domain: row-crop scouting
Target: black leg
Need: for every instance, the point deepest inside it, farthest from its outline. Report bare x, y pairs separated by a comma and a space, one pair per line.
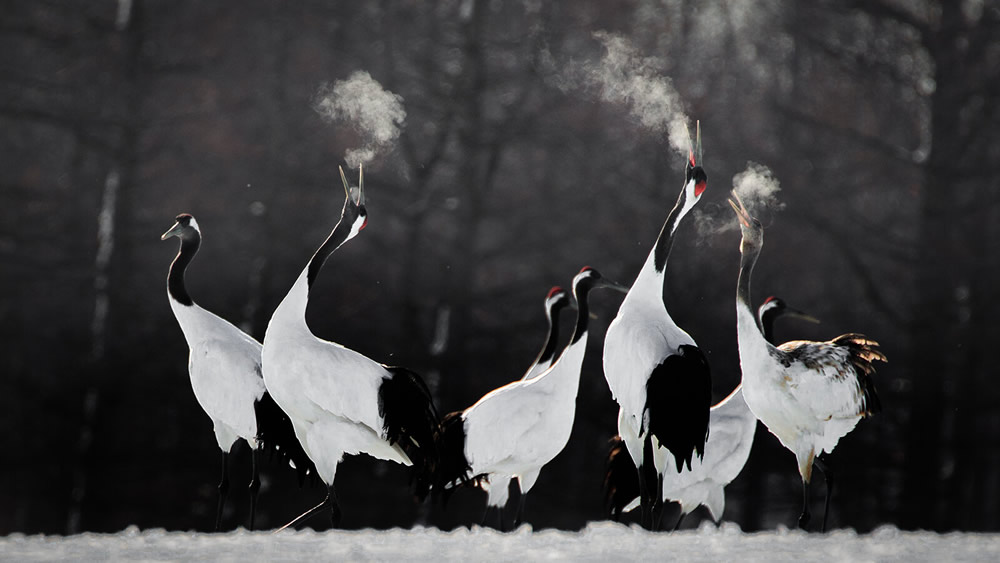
804, 518
223, 490
647, 476
501, 524
679, 520
643, 499
335, 514
659, 507
519, 518
828, 477
486, 515
329, 502
254, 487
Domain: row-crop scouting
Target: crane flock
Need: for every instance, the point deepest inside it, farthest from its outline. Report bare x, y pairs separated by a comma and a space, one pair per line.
312, 401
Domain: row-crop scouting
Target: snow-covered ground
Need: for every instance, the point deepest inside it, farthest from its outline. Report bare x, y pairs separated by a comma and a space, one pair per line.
602, 541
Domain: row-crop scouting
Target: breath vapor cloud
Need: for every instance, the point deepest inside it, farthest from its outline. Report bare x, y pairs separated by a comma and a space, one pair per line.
624, 76
376, 113
756, 186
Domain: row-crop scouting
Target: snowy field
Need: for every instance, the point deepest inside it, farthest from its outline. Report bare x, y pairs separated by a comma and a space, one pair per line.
602, 541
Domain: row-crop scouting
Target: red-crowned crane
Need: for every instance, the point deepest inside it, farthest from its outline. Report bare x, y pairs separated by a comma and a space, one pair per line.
497, 487
224, 365
654, 369
732, 426
808, 394
340, 401
513, 431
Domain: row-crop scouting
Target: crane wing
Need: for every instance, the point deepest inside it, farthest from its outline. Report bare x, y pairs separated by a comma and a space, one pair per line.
225, 377
499, 426
831, 379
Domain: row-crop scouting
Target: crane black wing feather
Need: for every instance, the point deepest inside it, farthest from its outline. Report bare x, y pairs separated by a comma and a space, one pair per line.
678, 400
277, 436
621, 484
410, 420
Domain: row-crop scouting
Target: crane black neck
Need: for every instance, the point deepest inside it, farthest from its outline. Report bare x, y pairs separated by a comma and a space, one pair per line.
767, 323
190, 242
581, 291
549, 349
337, 237
665, 241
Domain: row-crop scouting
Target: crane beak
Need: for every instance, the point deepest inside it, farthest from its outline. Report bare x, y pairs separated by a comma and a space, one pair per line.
697, 142
741, 212
174, 231
612, 285
695, 154
358, 197
691, 162
795, 313
343, 178
361, 184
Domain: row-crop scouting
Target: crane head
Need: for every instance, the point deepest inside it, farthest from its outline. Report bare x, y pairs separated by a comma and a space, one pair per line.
185, 226
354, 206
557, 299
695, 178
753, 231
777, 307
589, 278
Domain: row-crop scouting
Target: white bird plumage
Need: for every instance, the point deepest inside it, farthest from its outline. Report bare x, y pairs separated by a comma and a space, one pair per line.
653, 367
225, 369
497, 487
340, 401
732, 428
808, 394
515, 430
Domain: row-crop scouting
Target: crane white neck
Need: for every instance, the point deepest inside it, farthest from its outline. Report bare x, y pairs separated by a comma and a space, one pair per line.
749, 333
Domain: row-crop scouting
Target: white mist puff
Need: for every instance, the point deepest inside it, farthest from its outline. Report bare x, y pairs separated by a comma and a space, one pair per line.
375, 112
757, 188
623, 76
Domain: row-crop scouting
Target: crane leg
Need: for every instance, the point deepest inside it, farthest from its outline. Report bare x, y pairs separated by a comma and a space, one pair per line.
223, 490
329, 502
644, 507
828, 478
804, 518
647, 475
679, 520
659, 507
254, 486
486, 515
520, 510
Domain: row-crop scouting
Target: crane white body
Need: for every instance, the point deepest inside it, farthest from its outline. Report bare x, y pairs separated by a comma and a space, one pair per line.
224, 365
808, 394
732, 425
329, 391
498, 485
515, 430
808, 402
654, 369
637, 341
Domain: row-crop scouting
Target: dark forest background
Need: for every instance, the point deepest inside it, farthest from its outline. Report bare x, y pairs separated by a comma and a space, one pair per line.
878, 118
